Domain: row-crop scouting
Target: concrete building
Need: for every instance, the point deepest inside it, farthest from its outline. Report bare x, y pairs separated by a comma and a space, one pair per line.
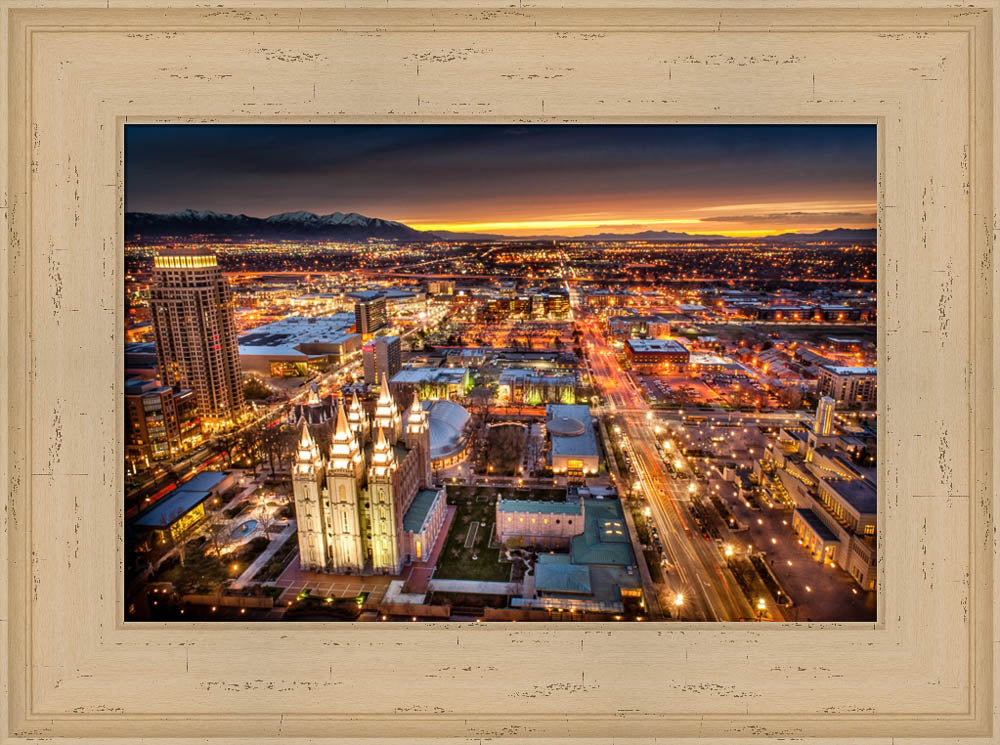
369, 312
368, 506
440, 287
431, 383
298, 346
823, 423
656, 355
574, 450
192, 310
840, 526
538, 524
383, 355
528, 386
851, 385
834, 500
597, 571
160, 422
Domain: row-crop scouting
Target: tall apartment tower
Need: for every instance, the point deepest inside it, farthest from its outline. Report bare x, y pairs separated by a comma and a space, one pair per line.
369, 313
382, 355
823, 424
192, 309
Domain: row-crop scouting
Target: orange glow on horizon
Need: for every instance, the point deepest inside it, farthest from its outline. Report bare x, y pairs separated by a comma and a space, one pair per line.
748, 220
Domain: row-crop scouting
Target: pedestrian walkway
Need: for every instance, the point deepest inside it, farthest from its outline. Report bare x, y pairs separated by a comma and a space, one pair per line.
417, 576
261, 561
244, 493
476, 587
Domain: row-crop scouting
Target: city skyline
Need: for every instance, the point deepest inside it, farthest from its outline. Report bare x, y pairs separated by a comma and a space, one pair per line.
533, 180
341, 418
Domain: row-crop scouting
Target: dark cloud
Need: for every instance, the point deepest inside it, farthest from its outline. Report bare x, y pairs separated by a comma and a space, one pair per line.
440, 173
801, 218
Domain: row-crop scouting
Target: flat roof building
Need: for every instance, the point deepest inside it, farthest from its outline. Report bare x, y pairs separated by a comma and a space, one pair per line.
160, 422
656, 354
851, 385
297, 346
184, 507
431, 382
538, 523
574, 449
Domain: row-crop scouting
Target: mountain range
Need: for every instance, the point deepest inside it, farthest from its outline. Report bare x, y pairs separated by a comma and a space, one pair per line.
351, 226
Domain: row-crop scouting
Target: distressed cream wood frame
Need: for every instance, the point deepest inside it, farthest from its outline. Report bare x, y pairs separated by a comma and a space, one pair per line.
75, 71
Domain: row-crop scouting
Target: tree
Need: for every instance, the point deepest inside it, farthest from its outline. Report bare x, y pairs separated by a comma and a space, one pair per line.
790, 397
218, 531
265, 519
254, 389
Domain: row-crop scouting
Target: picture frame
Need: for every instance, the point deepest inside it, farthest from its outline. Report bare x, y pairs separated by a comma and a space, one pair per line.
74, 72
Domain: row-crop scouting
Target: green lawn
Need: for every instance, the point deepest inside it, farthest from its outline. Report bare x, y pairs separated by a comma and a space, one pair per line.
456, 561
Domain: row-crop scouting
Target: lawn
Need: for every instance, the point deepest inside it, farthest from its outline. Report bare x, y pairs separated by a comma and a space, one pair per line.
456, 560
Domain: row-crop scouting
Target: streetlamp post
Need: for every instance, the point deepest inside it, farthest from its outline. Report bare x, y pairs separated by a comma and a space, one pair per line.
679, 603
761, 607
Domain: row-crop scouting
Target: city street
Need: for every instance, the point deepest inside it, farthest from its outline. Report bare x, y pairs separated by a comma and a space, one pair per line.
697, 573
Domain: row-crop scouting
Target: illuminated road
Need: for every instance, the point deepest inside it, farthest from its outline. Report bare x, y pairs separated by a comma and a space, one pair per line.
697, 568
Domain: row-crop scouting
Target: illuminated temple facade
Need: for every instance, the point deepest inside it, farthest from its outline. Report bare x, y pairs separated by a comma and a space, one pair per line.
368, 505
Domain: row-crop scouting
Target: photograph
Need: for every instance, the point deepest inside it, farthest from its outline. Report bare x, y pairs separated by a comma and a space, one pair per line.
500, 373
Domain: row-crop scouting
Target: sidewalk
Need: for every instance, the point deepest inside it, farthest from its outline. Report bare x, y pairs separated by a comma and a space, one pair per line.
476, 587
266, 556
247, 491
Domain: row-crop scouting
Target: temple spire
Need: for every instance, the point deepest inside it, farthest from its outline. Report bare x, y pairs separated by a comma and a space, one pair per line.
306, 440
343, 429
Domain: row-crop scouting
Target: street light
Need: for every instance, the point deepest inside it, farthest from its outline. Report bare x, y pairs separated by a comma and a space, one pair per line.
761, 607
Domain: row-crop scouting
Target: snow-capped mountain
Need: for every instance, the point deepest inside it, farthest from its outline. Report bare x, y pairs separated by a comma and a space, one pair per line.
351, 226
285, 226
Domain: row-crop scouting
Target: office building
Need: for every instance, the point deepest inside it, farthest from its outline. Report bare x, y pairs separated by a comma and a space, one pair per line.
369, 312
851, 385
383, 355
557, 305
656, 355
192, 310
160, 422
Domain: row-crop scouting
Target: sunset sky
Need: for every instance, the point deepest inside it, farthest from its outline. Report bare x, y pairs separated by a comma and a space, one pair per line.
517, 180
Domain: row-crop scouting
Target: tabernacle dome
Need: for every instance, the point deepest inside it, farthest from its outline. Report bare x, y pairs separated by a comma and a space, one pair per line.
448, 430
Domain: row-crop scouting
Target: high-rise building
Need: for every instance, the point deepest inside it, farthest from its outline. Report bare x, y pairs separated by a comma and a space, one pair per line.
823, 424
383, 355
369, 313
192, 310
160, 422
